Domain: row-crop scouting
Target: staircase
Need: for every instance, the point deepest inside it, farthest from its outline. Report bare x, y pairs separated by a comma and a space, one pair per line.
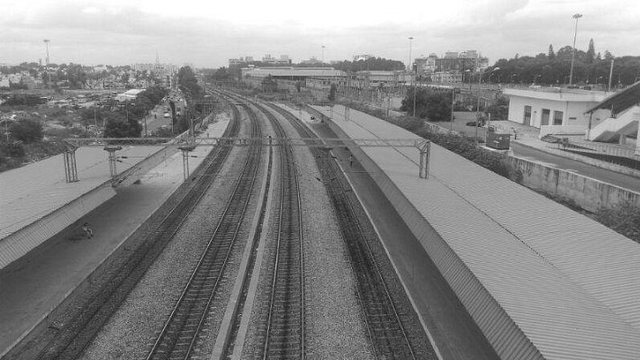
610, 129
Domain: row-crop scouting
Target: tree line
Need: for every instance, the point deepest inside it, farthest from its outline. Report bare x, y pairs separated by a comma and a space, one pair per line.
553, 68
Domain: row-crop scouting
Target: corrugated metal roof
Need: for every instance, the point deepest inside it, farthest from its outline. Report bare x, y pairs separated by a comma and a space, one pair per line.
32, 191
570, 284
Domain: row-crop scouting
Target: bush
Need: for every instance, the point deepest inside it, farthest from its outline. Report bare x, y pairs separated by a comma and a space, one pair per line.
14, 150
27, 131
623, 218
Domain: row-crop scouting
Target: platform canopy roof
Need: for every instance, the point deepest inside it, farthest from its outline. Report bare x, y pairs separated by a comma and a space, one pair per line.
621, 100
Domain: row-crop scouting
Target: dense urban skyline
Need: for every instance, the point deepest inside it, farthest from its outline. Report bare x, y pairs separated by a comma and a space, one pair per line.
121, 32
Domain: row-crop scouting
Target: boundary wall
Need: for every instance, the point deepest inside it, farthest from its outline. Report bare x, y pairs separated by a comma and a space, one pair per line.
590, 194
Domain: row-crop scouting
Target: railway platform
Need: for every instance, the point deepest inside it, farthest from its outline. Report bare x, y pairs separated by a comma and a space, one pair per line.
34, 284
539, 280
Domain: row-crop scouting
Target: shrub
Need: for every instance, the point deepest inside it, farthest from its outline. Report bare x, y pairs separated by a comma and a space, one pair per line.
623, 218
27, 131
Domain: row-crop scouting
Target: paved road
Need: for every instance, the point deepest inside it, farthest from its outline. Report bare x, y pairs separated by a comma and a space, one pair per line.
552, 160
608, 176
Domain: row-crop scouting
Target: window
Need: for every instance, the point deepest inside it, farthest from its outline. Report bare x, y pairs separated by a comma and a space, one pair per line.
557, 117
545, 117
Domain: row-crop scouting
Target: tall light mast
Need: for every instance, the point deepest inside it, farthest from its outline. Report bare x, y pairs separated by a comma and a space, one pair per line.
46, 64
573, 54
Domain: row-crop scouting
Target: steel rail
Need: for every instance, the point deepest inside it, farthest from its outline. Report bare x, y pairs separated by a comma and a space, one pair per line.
282, 340
385, 344
218, 249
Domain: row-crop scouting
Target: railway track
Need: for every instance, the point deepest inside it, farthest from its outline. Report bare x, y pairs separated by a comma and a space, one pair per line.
284, 335
77, 333
384, 324
282, 326
179, 336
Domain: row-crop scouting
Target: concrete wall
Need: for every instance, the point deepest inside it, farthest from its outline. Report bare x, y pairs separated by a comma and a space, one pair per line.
588, 193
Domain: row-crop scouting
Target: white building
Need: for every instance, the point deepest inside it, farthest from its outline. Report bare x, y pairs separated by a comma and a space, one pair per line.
129, 94
555, 110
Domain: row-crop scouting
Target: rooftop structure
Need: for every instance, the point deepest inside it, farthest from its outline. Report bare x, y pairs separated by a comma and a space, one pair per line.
555, 110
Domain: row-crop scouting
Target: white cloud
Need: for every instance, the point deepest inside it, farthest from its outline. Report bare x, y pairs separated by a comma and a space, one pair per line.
125, 31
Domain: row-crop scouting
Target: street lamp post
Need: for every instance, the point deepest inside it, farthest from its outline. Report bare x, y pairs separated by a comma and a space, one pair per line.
573, 53
415, 90
478, 104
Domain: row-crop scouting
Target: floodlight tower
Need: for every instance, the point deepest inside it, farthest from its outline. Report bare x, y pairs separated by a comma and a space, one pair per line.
573, 53
46, 63
46, 42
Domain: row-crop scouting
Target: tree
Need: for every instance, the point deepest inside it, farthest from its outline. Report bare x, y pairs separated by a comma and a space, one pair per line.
92, 116
118, 127
269, 84
155, 94
591, 53
433, 105
499, 109
607, 55
551, 55
332, 92
26, 130
188, 83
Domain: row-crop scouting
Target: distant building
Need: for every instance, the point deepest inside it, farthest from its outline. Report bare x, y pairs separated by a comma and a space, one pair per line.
376, 79
129, 95
452, 66
312, 61
283, 60
236, 62
469, 54
446, 77
426, 65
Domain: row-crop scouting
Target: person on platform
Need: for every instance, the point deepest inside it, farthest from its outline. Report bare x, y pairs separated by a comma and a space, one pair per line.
87, 229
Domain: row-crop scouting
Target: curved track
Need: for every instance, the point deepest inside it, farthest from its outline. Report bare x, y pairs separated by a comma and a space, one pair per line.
284, 336
180, 333
386, 330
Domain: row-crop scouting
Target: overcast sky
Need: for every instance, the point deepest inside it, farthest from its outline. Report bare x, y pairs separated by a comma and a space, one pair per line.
208, 33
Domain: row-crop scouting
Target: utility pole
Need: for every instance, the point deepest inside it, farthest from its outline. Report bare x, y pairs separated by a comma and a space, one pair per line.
415, 90
46, 62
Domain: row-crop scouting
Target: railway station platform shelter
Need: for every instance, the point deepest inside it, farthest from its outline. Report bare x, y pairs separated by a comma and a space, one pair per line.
38, 201
44, 254
540, 280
